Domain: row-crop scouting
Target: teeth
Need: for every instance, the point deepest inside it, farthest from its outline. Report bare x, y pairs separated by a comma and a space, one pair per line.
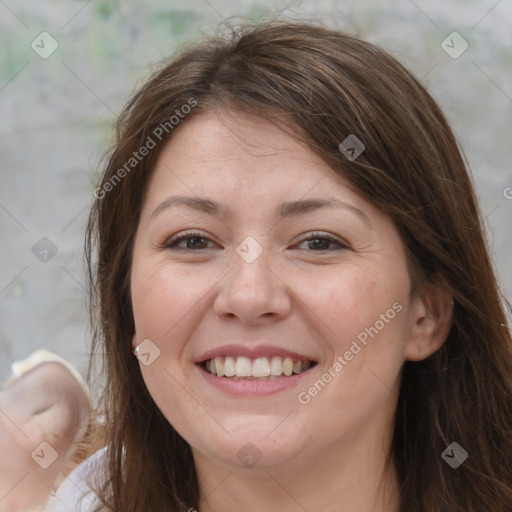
259, 368
219, 367
276, 366
288, 366
229, 367
243, 367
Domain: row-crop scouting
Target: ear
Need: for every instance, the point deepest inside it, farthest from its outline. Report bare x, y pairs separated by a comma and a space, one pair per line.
431, 317
135, 341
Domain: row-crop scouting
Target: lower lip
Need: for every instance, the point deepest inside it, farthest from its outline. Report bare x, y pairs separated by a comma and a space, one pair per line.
252, 387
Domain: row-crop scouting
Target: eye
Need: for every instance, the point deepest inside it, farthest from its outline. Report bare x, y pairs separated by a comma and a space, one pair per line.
320, 242
193, 240
197, 241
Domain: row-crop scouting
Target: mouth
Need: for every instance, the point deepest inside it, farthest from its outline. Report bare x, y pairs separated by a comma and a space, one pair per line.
265, 368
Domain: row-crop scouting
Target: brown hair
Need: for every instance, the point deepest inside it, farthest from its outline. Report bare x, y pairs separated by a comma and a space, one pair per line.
321, 85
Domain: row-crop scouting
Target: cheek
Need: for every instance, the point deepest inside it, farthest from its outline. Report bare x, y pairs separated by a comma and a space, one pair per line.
364, 316
163, 297
347, 301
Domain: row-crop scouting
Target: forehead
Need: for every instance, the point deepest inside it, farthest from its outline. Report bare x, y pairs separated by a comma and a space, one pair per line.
249, 173
236, 153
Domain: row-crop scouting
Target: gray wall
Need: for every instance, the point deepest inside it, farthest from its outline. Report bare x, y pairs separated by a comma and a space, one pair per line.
56, 117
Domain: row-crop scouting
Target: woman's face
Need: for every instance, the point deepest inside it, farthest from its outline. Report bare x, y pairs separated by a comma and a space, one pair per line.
271, 301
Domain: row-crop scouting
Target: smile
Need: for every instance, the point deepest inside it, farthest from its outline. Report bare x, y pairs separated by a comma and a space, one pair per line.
260, 368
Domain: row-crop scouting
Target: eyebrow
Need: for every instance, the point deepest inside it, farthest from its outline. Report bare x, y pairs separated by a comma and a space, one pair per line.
285, 210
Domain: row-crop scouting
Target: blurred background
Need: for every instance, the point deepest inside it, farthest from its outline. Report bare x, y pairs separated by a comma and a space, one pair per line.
68, 67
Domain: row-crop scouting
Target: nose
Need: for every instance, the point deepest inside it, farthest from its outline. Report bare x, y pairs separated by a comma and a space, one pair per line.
254, 292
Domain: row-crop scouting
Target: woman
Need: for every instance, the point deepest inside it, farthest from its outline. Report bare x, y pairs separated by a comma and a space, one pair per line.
289, 243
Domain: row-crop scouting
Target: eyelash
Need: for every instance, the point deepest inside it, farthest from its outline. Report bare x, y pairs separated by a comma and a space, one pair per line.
173, 242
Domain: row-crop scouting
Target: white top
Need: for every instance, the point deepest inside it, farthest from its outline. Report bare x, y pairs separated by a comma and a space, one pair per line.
75, 495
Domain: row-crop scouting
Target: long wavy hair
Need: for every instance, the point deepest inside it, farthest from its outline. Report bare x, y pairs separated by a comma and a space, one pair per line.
320, 85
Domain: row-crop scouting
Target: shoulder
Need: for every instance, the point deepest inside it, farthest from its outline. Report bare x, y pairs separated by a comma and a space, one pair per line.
75, 494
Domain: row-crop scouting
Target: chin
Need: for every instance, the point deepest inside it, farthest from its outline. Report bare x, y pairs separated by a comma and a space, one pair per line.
252, 442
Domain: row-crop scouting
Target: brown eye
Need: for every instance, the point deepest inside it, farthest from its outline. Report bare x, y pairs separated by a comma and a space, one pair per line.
188, 241
322, 243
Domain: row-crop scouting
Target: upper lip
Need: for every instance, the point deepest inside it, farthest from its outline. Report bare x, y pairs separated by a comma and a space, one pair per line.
252, 352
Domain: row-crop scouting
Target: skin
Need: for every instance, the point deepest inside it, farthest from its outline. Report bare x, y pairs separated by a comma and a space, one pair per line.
44, 405
328, 454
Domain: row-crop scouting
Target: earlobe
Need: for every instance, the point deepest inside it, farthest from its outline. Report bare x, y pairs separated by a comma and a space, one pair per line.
135, 341
432, 317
